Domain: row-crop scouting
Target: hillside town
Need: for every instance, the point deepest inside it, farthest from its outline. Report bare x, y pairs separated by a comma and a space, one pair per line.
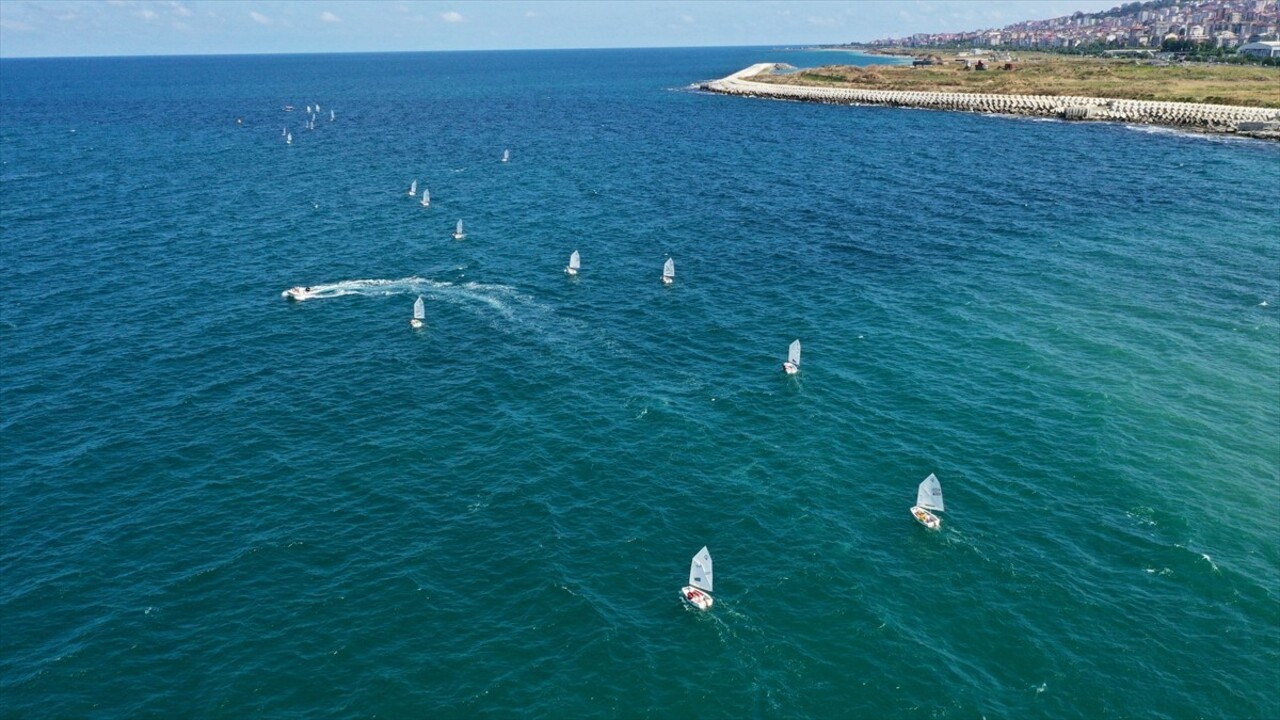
1247, 26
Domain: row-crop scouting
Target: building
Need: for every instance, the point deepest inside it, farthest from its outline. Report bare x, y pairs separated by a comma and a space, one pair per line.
1262, 49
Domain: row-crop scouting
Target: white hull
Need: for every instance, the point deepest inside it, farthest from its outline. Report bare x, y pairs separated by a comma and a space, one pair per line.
297, 293
789, 368
697, 598
415, 323
667, 280
459, 236
570, 271
926, 518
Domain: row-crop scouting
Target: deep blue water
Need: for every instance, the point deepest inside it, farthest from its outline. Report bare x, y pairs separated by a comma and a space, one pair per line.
215, 502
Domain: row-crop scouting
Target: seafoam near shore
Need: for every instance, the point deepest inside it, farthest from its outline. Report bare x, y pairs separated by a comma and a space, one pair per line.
1255, 122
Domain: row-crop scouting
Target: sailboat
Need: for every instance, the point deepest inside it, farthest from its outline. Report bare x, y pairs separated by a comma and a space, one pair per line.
928, 497
413, 187
457, 232
426, 197
792, 365
506, 155
288, 138
419, 312
574, 263
331, 116
698, 592
284, 131
668, 272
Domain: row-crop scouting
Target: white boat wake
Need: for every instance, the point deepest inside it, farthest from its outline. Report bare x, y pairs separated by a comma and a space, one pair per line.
359, 287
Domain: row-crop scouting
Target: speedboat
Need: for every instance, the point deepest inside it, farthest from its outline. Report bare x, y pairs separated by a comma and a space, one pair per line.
297, 293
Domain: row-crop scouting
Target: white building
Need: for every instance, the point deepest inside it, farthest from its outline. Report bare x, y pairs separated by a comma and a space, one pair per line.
1263, 49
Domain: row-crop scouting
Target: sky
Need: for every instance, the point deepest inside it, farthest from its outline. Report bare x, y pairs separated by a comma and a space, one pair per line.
74, 28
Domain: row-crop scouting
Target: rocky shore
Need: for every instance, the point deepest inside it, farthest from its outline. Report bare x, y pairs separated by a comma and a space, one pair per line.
1231, 119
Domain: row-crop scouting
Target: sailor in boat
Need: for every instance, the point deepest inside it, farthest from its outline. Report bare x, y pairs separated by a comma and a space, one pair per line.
697, 598
926, 518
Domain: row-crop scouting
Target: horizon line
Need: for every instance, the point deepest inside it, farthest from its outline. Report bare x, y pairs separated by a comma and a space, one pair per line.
778, 46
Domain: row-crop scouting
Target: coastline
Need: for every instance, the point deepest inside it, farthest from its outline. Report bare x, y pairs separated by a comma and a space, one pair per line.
1260, 123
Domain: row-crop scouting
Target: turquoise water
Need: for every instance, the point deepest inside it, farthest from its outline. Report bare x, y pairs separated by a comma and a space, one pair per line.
219, 503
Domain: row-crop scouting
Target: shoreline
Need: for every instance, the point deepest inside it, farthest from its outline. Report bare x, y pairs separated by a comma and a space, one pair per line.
1254, 122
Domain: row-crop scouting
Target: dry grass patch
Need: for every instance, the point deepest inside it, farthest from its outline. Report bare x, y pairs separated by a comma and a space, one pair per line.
1043, 74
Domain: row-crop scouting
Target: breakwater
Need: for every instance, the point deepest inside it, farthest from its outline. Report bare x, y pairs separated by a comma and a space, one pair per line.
1255, 122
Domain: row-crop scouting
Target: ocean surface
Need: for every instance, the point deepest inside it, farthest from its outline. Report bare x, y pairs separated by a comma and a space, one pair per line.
215, 502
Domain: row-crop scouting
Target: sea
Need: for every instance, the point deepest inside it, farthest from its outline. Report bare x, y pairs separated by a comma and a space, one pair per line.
217, 502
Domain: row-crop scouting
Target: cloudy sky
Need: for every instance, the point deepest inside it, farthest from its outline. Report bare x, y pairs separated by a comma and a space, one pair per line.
40, 28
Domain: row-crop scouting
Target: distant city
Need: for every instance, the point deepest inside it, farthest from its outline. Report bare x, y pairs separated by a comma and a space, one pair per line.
1213, 23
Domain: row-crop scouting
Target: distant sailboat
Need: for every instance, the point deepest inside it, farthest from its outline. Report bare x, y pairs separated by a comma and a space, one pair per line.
506, 155
413, 188
792, 365
426, 197
574, 263
698, 592
284, 131
308, 108
928, 497
457, 232
317, 107
419, 313
288, 138
331, 116
669, 272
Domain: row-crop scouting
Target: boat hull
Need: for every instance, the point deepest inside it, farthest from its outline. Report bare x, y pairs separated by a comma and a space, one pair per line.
696, 598
415, 323
570, 271
666, 280
297, 293
790, 368
926, 518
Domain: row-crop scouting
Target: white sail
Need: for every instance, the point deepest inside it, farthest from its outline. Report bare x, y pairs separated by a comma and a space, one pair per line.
929, 496
331, 116
700, 574
288, 138
426, 197
413, 187
284, 131
317, 107
793, 353
458, 230
308, 108
419, 311
669, 268
506, 155
575, 262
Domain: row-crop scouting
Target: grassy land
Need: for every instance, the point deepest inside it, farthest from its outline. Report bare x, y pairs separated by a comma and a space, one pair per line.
1047, 74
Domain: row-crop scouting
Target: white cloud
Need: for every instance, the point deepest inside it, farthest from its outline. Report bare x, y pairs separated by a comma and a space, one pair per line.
824, 21
329, 17
452, 16
688, 19
147, 14
180, 9
530, 13
16, 25
259, 18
